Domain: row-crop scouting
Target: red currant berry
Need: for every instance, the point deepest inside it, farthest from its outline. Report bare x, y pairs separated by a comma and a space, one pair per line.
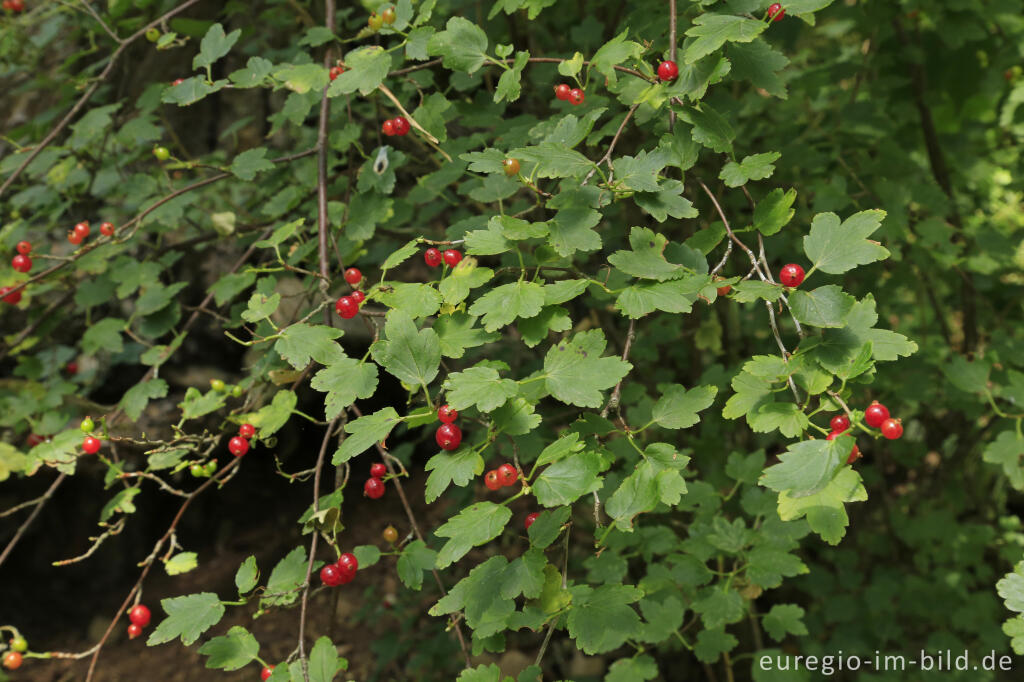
107, 229
177, 81
74, 238
432, 257
775, 11
12, 659
91, 445
388, 15
530, 518
238, 446
336, 71
668, 71
388, 127
390, 535
247, 431
452, 257
562, 92
82, 229
21, 263
24, 248
348, 563
374, 488
346, 307
511, 167
267, 671
836, 434
139, 615
492, 479
358, 297
508, 474
330, 575
840, 423
876, 414
722, 291
854, 455
576, 97
34, 439
375, 21
892, 428
447, 414
353, 276
791, 275
448, 436
13, 299
71, 368
378, 470
401, 125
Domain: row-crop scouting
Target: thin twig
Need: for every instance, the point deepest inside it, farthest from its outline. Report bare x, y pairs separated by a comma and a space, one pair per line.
607, 158
321, 175
613, 401
98, 18
40, 503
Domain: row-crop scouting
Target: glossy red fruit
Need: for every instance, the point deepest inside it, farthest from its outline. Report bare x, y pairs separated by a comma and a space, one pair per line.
139, 615
451, 257
447, 414
448, 436
17, 5
854, 455
374, 488
134, 631
24, 248
247, 431
492, 479
358, 297
91, 445
82, 229
876, 414
432, 257
562, 92
267, 671
12, 659
346, 307
892, 428
840, 423
13, 299
34, 439
775, 11
353, 276
107, 229
348, 563
388, 15
238, 446
336, 71
668, 71
576, 96
21, 263
378, 470
511, 167
530, 518
388, 127
74, 238
508, 474
722, 291
791, 275
71, 368
390, 535
177, 81
330, 575
401, 125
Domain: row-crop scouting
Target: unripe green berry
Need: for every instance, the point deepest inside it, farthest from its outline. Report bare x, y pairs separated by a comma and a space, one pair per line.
236, 391
87, 425
161, 153
19, 644
197, 470
218, 385
153, 34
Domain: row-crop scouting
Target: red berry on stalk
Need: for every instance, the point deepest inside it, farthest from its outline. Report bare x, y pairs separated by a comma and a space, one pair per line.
346, 307
238, 446
876, 414
91, 445
267, 671
722, 291
892, 428
836, 434
21, 263
247, 431
71, 368
388, 15
854, 455
840, 423
452, 257
353, 276
24, 248
330, 575
82, 229
775, 11
336, 71
791, 275
34, 439
492, 479
562, 92
576, 97
448, 436
378, 470
74, 238
134, 631
17, 5
139, 615
12, 659
432, 257
530, 518
177, 81
348, 563
668, 71
508, 474
13, 299
374, 488
358, 297
107, 229
388, 127
447, 414
401, 124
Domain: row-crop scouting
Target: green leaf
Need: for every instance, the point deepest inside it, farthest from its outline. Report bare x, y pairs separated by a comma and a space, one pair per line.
968, 376
575, 372
614, 52
506, 303
270, 418
285, 579
1006, 450
479, 386
808, 466
365, 68
774, 211
464, 277
367, 555
677, 408
711, 129
754, 289
655, 480
640, 668
233, 651
121, 503
344, 381
825, 306
639, 173
473, 526
567, 480
301, 342
553, 160
837, 248
214, 46
416, 558
479, 596
182, 562
673, 296
546, 528
229, 286
1011, 589
324, 662
410, 354
459, 467
759, 63
462, 46
600, 619
458, 331
261, 306
508, 88
247, 576
647, 258
825, 510
316, 36
756, 167
667, 201
364, 432
398, 257
481, 673
784, 619
251, 163
413, 298
254, 74
712, 643
516, 417
714, 30
104, 334
767, 567
188, 617
559, 450
138, 396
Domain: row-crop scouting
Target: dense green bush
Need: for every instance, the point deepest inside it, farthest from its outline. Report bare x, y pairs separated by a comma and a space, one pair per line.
616, 331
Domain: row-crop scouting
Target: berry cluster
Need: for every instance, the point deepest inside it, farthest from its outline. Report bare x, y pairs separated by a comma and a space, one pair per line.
839, 424
448, 435
14, 6
239, 445
573, 96
139, 617
22, 262
91, 444
348, 306
399, 125
877, 416
13, 658
450, 257
377, 21
374, 486
340, 572
504, 475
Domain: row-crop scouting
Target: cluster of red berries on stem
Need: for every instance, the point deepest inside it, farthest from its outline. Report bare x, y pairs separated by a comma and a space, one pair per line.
14, 6
505, 475
399, 125
776, 11
90, 444
239, 445
839, 424
448, 435
573, 96
139, 617
22, 262
877, 416
450, 257
377, 21
374, 486
340, 572
348, 306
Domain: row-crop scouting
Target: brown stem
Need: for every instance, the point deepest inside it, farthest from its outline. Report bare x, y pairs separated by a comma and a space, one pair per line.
535, 60
321, 179
40, 503
613, 401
